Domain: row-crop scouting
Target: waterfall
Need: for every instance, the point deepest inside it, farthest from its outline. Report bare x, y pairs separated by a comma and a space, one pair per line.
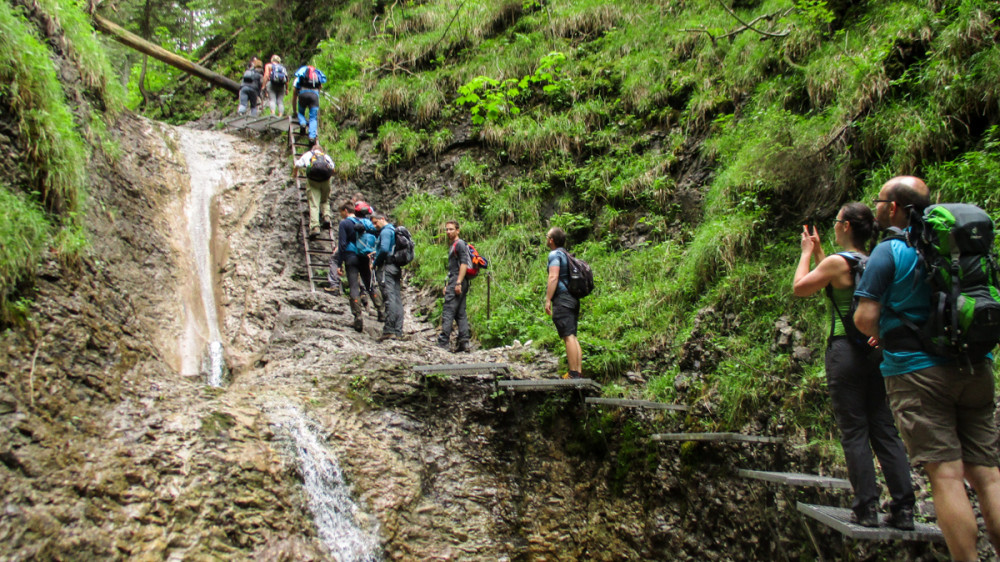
345, 529
207, 160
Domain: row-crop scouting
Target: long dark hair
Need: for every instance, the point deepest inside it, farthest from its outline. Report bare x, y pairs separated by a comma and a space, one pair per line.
862, 220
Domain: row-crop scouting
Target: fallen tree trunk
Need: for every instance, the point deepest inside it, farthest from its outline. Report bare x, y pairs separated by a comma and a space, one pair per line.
132, 40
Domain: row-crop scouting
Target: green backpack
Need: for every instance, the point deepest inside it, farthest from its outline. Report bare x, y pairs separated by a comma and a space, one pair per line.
955, 242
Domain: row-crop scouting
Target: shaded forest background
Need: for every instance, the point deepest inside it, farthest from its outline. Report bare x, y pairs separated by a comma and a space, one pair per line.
681, 144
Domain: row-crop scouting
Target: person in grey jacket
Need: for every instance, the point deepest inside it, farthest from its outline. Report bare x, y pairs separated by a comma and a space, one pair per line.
455, 291
389, 276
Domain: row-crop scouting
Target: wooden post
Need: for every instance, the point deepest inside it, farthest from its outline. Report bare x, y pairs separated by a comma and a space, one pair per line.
132, 40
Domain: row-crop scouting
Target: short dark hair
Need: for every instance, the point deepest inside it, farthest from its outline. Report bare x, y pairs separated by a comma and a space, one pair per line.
380, 216
454, 223
906, 197
347, 206
558, 236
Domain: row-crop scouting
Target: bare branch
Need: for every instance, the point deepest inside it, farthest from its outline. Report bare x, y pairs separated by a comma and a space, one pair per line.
750, 25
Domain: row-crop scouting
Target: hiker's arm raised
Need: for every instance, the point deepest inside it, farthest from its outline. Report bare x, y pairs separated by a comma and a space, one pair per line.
808, 283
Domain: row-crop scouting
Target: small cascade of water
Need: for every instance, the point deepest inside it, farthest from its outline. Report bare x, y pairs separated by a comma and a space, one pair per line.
345, 529
207, 161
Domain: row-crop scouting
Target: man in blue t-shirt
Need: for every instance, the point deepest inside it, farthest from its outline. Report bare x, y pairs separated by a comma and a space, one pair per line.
944, 411
563, 307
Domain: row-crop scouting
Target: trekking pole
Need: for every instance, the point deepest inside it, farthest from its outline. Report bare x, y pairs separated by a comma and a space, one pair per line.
489, 276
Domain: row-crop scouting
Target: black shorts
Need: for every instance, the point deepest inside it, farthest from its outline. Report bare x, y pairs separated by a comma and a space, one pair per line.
565, 313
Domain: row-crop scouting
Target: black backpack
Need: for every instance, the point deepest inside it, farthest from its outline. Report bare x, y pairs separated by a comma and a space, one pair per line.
319, 168
857, 262
955, 244
403, 251
581, 278
249, 76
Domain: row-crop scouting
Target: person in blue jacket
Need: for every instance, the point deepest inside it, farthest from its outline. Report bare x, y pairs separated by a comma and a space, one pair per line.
351, 258
305, 98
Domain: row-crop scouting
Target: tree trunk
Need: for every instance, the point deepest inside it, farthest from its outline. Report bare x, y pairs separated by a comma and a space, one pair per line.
134, 41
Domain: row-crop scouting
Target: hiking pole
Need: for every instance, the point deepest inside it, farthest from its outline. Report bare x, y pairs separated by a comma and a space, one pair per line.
489, 276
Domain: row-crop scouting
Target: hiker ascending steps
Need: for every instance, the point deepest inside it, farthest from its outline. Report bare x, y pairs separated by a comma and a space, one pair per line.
250, 88
852, 371
319, 170
276, 85
348, 259
305, 98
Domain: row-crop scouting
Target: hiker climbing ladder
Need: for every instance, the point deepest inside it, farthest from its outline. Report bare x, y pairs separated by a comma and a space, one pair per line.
319, 250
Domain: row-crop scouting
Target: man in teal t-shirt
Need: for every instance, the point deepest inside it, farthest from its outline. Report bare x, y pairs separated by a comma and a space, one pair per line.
944, 411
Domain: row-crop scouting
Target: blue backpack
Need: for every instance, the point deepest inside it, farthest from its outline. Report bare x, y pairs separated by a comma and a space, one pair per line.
278, 74
364, 232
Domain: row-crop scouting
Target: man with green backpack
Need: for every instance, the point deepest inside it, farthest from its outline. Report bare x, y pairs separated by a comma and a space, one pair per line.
942, 396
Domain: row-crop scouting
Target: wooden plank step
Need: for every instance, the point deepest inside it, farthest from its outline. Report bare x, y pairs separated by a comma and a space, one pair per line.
796, 479
462, 369
730, 437
839, 519
624, 403
548, 384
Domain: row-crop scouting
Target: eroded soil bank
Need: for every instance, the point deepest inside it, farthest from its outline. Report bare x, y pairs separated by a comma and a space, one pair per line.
109, 449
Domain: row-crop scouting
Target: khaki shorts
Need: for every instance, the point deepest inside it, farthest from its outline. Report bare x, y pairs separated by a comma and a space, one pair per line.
946, 414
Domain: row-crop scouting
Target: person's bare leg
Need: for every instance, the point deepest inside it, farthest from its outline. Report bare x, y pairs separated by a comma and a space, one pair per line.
986, 481
954, 512
574, 356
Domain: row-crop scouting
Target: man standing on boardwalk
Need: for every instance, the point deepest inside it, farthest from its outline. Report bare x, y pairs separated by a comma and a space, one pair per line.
455, 291
563, 307
943, 408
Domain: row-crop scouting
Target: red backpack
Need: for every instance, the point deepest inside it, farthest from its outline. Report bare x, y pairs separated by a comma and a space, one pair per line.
478, 262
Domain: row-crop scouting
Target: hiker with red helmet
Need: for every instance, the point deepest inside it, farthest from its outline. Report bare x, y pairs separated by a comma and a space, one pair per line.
305, 98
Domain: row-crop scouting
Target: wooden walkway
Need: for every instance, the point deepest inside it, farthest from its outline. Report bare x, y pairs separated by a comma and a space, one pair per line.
721, 437
259, 124
548, 384
839, 519
463, 369
625, 403
796, 479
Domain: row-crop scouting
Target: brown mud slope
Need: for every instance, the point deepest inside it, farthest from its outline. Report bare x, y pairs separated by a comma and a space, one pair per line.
106, 452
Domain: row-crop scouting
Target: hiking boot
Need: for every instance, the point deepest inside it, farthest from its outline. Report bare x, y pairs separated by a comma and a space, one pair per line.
314, 233
902, 518
359, 324
381, 317
572, 375
326, 223
868, 516
302, 130
332, 290
462, 347
386, 337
